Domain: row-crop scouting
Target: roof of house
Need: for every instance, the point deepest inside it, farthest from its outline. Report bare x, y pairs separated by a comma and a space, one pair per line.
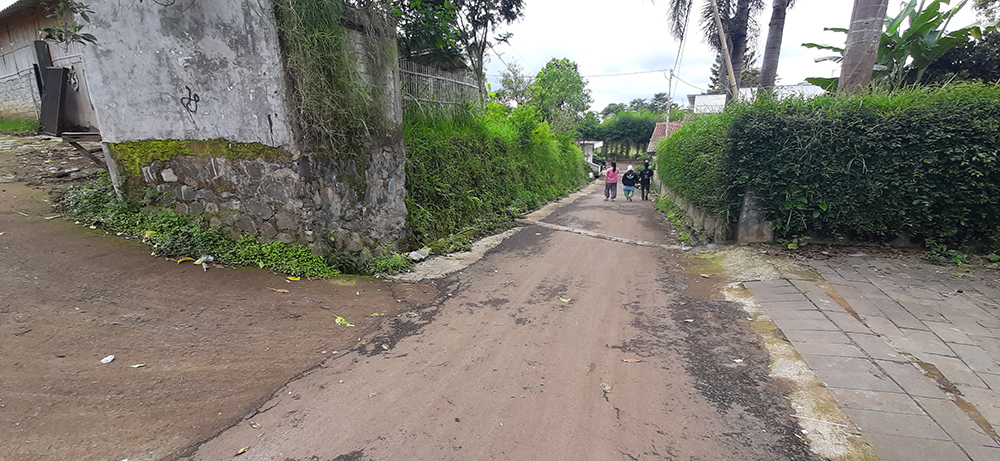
17, 7
662, 130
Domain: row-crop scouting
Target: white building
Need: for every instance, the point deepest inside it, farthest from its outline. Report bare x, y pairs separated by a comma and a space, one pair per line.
712, 103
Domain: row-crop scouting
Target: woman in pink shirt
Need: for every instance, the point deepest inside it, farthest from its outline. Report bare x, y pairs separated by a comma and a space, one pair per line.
611, 182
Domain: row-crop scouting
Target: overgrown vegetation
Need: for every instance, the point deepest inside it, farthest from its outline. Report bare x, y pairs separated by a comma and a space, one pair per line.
918, 162
477, 171
18, 126
339, 111
177, 236
677, 218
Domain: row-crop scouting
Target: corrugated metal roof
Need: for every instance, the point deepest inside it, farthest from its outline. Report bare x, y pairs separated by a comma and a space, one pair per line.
17, 7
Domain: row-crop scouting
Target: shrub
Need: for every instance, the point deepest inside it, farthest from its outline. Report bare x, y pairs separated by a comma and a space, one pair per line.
482, 168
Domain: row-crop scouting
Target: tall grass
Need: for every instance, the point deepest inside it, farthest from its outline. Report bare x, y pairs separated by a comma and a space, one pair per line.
479, 169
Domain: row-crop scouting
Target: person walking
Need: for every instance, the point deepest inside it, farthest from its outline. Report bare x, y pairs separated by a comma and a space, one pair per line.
629, 180
611, 182
645, 176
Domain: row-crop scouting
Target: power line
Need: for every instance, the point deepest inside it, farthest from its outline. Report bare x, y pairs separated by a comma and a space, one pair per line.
626, 73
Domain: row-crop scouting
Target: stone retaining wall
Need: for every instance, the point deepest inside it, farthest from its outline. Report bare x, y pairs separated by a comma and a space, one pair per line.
20, 96
327, 204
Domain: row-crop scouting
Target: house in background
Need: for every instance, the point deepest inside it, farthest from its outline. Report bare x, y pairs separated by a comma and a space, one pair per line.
662, 130
27, 63
713, 103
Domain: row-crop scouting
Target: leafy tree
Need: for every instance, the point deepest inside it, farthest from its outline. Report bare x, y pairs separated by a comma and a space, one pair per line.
660, 103
611, 109
560, 94
988, 9
638, 105
972, 60
427, 33
677, 114
515, 87
477, 20
66, 30
629, 131
589, 127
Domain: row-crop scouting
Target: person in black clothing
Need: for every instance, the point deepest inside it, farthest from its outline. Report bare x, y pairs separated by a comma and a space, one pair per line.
645, 176
629, 179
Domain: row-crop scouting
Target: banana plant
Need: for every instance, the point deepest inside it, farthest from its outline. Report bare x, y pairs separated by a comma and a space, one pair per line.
923, 41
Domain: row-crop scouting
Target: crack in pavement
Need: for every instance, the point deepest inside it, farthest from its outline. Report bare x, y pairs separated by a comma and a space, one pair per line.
610, 237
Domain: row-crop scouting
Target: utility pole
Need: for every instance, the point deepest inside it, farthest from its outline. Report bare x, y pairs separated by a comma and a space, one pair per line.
734, 88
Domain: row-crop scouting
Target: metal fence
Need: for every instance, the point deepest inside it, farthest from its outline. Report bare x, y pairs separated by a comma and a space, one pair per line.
432, 88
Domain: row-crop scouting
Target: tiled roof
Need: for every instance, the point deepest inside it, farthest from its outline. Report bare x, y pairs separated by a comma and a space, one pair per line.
662, 130
17, 7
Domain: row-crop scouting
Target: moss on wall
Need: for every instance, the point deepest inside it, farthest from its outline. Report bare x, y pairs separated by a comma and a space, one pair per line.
132, 156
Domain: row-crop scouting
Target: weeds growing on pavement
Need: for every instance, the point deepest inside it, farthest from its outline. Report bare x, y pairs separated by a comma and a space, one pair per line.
18, 126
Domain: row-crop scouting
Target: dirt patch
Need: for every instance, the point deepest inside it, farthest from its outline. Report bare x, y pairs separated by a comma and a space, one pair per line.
195, 351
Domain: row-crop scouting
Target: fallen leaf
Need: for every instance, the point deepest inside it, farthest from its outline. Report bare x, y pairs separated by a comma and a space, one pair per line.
591, 367
197, 261
377, 314
138, 365
186, 258
738, 360
373, 394
1, 233
705, 276
343, 321
606, 387
385, 346
278, 290
565, 300
242, 450
293, 278
254, 424
358, 293
631, 360
53, 217
108, 359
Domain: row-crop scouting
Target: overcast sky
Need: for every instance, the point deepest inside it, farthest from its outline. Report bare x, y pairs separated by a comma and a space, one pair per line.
621, 36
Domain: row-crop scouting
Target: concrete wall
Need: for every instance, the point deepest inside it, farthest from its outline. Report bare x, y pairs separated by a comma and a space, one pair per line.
19, 96
206, 69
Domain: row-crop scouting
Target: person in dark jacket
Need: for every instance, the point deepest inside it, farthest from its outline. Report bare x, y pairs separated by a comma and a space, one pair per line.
645, 176
629, 180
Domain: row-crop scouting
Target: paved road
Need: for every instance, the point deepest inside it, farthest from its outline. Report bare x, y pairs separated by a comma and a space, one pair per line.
910, 352
558, 344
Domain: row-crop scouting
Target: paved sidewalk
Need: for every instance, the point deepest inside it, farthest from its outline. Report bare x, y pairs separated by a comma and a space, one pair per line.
910, 354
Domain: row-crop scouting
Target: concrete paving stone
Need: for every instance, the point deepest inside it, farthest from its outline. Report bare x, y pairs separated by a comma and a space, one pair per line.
850, 373
776, 283
793, 314
801, 304
900, 424
828, 273
955, 422
882, 326
993, 381
990, 345
851, 274
928, 342
926, 310
818, 337
806, 324
970, 325
912, 380
864, 307
957, 371
949, 333
830, 349
847, 322
899, 315
896, 448
981, 453
889, 402
766, 294
987, 402
876, 347
985, 318
976, 358
818, 296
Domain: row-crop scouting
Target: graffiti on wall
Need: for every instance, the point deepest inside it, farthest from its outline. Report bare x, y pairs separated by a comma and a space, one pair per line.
190, 102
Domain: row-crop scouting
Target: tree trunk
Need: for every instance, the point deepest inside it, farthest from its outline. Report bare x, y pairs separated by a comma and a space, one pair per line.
739, 41
861, 51
727, 58
772, 49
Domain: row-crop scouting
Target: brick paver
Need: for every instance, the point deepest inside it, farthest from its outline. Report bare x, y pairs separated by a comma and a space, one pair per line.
867, 354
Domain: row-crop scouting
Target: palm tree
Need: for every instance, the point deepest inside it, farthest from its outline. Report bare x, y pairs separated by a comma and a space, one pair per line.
772, 48
738, 26
863, 39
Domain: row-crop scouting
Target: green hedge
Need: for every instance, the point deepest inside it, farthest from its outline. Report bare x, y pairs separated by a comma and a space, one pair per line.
481, 168
867, 167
